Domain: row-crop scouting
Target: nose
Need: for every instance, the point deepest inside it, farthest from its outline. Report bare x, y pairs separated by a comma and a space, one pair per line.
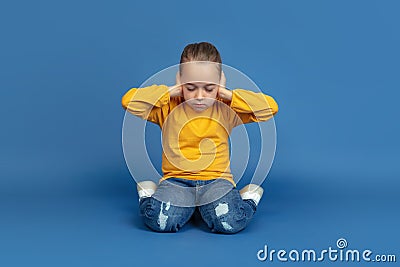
199, 94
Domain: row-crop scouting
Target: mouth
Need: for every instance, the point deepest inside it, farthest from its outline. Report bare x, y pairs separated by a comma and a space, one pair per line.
199, 105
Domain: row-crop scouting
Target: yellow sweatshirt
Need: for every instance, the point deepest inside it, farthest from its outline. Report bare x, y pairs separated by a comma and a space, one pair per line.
196, 145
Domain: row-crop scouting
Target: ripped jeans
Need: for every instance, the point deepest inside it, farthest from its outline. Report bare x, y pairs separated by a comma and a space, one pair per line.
176, 199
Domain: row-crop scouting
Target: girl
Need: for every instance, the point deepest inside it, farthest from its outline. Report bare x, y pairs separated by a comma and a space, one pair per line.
196, 116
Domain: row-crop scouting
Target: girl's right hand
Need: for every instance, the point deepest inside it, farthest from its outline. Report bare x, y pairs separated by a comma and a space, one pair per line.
176, 90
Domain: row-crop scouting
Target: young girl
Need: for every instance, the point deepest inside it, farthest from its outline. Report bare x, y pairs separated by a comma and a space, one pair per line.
196, 116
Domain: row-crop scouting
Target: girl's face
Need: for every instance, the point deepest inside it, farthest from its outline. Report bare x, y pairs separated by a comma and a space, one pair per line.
200, 82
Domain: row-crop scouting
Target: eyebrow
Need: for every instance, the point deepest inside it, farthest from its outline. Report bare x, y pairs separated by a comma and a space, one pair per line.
210, 84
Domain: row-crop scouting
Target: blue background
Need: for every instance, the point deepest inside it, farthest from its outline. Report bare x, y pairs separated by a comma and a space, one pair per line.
66, 195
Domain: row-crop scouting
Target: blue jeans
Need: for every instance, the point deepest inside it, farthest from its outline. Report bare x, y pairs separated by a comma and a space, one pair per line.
228, 214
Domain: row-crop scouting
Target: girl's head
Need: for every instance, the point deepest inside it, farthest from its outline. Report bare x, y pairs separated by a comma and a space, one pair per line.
200, 74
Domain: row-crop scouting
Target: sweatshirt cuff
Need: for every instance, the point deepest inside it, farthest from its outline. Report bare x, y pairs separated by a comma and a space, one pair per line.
164, 97
240, 101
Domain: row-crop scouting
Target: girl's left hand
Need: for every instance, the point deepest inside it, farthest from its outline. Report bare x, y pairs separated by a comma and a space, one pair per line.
222, 91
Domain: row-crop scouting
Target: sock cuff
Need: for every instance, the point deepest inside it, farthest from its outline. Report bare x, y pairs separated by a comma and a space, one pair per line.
148, 192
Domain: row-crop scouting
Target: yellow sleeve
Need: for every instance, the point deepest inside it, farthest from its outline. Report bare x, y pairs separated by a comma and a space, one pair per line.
149, 103
252, 107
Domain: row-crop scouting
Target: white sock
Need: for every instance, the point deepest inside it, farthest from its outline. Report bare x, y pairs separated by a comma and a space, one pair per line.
253, 192
146, 189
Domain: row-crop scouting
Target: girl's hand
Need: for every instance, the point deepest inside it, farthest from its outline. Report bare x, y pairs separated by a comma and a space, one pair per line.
222, 91
176, 90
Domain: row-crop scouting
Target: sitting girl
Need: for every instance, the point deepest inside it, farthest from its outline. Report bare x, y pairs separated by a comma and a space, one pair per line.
196, 116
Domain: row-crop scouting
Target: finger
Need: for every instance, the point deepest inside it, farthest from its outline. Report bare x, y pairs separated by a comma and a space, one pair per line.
223, 79
178, 78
